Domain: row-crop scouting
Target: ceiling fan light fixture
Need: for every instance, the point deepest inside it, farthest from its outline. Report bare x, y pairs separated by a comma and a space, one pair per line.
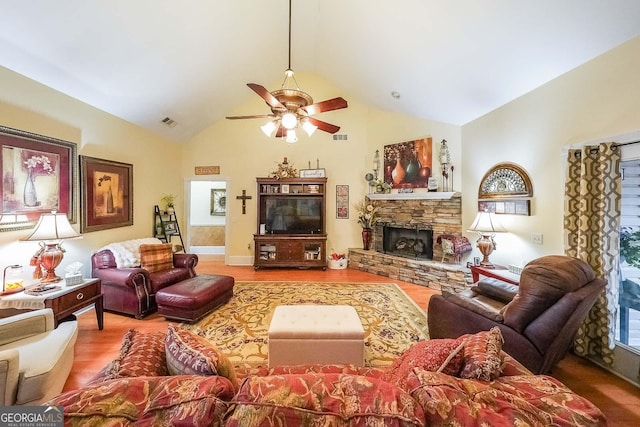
289, 121
269, 127
291, 136
309, 127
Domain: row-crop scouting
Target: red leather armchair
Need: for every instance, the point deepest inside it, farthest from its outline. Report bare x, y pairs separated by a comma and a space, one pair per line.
538, 319
132, 291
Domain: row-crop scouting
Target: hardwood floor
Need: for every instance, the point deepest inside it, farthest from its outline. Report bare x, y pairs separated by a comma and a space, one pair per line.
618, 399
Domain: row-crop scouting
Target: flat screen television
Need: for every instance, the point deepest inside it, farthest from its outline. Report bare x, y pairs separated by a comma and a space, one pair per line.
291, 214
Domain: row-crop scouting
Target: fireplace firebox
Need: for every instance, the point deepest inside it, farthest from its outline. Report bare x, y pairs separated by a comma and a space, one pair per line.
408, 241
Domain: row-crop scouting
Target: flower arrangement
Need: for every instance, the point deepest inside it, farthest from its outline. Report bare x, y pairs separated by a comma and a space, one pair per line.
168, 200
103, 178
284, 170
32, 164
367, 214
382, 187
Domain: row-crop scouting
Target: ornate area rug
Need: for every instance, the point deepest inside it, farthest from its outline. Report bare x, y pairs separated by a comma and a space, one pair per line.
391, 320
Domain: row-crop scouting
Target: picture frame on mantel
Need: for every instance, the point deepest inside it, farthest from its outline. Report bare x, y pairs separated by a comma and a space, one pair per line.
39, 175
107, 194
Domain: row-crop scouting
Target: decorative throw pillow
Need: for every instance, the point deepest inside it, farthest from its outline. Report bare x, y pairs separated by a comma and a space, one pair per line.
482, 358
190, 354
156, 257
142, 354
444, 355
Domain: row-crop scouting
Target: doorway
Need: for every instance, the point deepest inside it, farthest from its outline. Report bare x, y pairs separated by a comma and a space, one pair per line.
206, 217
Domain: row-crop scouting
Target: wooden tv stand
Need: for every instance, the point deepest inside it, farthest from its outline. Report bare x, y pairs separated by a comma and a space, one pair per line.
291, 223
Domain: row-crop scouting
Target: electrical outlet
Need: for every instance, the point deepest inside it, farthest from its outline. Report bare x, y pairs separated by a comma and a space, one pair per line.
536, 238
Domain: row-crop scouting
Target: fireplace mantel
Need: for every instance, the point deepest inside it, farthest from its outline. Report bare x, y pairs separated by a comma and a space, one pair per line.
432, 195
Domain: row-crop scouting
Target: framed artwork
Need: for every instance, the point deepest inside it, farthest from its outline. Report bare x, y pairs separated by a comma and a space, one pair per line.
284, 188
218, 201
342, 201
170, 227
39, 175
107, 194
408, 164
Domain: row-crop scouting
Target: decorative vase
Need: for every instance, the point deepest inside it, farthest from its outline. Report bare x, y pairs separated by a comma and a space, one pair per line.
398, 173
30, 196
413, 169
366, 238
110, 201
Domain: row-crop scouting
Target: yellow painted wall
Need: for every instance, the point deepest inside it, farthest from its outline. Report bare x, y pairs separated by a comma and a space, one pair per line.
243, 153
597, 100
30, 106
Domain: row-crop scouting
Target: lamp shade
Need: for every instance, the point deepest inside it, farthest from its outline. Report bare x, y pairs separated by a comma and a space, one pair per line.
53, 226
485, 222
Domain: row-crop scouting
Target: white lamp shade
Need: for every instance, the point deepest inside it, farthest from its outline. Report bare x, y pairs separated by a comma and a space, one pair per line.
486, 222
53, 226
289, 120
291, 136
309, 128
268, 128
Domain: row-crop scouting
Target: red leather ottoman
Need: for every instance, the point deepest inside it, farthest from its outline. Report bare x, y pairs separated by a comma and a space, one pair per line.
191, 299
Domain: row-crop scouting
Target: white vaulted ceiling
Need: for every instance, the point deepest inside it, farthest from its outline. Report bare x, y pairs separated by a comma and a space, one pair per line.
451, 60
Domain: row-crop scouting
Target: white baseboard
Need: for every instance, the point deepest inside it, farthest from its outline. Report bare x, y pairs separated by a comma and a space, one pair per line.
210, 250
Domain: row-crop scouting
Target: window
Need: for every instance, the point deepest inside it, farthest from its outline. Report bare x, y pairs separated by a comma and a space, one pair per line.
628, 327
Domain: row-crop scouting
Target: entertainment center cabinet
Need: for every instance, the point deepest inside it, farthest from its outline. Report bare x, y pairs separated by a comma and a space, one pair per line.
291, 223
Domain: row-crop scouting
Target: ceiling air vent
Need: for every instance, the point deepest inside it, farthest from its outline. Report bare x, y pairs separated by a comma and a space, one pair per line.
169, 122
340, 137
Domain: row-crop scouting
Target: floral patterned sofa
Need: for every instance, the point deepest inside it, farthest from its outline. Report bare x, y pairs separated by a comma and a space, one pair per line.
177, 378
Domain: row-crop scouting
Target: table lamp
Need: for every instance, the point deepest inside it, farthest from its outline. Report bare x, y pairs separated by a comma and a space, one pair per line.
486, 225
50, 230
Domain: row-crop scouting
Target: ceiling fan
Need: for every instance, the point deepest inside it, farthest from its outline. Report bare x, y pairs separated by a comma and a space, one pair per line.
291, 107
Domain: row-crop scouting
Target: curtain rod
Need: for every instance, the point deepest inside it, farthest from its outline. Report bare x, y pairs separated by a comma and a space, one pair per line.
626, 143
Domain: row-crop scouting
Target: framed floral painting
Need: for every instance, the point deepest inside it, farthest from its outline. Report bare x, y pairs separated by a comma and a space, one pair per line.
107, 194
38, 176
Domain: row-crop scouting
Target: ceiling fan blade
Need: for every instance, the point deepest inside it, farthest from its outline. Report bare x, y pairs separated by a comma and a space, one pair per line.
327, 127
266, 95
280, 132
328, 105
258, 116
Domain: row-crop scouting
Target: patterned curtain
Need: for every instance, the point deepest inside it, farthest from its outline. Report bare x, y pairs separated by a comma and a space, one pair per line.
592, 229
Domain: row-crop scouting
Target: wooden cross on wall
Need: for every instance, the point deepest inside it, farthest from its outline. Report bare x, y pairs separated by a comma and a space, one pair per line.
244, 199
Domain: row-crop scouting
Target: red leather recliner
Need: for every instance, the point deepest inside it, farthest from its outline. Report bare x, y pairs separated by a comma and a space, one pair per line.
538, 319
132, 291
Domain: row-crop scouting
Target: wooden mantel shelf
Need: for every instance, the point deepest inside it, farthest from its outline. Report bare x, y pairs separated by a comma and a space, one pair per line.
433, 195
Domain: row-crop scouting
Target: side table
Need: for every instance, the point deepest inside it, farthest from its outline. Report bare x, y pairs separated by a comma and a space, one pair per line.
63, 302
499, 272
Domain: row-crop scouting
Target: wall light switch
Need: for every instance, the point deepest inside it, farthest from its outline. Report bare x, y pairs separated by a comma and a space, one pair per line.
536, 238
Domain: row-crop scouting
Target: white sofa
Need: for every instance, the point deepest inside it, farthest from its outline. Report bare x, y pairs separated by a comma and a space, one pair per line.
35, 357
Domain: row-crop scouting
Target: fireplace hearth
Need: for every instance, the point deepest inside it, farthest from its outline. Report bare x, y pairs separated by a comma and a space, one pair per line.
409, 241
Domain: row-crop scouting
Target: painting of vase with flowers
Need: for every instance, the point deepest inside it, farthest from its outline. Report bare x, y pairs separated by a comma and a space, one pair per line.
408, 164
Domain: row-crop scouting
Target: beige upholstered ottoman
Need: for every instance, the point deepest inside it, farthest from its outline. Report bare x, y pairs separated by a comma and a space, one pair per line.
324, 334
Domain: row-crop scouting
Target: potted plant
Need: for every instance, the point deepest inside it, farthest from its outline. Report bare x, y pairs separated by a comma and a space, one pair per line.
169, 200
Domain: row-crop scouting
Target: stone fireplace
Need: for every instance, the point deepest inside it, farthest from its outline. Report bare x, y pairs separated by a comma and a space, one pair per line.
404, 239
409, 241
